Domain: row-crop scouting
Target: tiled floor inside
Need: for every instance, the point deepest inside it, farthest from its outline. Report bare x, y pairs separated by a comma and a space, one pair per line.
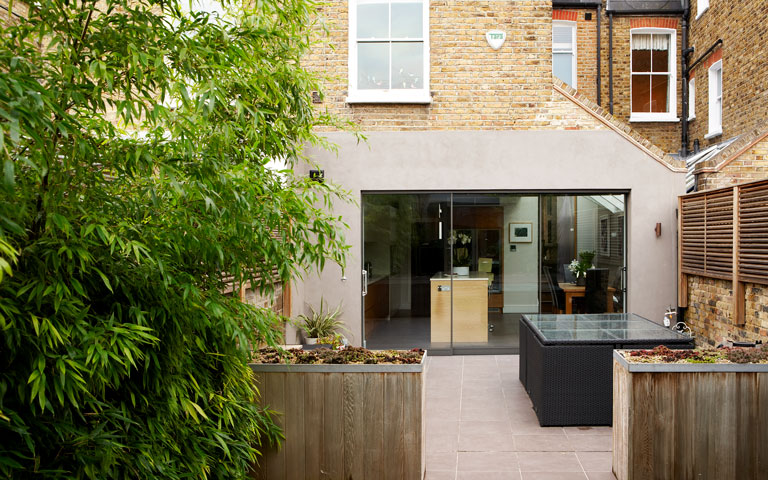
480, 424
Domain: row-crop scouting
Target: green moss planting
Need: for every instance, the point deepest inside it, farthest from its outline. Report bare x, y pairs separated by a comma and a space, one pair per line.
662, 354
349, 355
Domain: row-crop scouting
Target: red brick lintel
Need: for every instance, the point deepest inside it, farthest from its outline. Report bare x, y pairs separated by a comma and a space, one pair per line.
653, 23
565, 15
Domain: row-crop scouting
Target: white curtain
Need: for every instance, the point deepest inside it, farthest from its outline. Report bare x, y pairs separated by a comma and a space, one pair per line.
647, 41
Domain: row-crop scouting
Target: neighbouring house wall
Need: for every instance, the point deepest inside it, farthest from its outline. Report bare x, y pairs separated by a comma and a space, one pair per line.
710, 311
742, 27
750, 165
666, 135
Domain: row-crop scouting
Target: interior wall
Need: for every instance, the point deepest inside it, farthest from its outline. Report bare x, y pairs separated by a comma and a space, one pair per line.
586, 225
521, 266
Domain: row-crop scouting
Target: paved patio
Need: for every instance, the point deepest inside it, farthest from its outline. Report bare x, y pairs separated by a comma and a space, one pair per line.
480, 424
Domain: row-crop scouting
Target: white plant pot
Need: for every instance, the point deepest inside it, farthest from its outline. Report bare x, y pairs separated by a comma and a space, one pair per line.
461, 270
310, 340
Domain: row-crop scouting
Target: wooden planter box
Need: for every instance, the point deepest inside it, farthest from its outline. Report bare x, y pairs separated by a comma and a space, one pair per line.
689, 421
345, 421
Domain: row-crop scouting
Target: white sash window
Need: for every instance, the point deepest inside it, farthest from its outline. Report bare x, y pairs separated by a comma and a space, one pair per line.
388, 51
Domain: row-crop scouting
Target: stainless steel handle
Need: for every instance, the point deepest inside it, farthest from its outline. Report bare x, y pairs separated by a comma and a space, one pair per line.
443, 288
365, 282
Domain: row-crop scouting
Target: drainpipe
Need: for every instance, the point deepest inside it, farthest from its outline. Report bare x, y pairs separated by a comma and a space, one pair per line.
684, 52
598, 9
610, 62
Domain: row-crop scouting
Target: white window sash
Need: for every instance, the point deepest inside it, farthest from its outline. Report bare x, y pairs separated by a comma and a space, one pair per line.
668, 37
692, 98
390, 95
567, 47
715, 100
701, 7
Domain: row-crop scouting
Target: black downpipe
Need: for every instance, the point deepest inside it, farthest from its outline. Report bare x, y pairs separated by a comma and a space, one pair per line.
610, 62
599, 14
684, 69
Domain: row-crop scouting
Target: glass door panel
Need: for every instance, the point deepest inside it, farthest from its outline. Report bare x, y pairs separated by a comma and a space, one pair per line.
495, 267
583, 253
404, 247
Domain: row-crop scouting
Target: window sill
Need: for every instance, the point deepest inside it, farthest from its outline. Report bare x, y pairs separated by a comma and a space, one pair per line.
653, 117
692, 118
714, 134
421, 97
699, 14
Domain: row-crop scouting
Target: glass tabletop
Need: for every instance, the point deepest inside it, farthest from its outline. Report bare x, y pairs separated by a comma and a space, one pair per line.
603, 327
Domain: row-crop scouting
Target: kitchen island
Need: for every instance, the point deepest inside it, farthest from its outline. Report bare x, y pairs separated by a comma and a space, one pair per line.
470, 308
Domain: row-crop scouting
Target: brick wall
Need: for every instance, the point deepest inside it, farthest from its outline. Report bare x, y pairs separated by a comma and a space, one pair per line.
742, 27
473, 86
664, 134
751, 164
710, 311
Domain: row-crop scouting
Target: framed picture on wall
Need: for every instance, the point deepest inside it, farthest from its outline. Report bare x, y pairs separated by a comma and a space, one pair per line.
520, 232
604, 236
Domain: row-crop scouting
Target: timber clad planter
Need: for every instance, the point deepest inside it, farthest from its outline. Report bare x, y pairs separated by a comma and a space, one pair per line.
689, 421
350, 422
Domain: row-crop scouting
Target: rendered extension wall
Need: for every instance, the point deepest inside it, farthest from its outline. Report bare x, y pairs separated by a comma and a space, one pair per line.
530, 161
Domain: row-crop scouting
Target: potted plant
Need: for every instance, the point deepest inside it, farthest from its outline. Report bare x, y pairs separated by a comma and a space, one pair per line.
319, 323
461, 258
579, 267
343, 411
690, 413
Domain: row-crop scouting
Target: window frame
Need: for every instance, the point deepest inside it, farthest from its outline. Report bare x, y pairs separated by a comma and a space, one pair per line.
573, 26
715, 130
669, 116
390, 95
701, 7
692, 98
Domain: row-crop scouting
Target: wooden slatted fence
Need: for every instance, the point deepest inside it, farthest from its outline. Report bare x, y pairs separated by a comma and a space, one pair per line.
723, 234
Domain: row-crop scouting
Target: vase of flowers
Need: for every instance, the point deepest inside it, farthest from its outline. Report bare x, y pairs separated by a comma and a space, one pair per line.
579, 267
460, 241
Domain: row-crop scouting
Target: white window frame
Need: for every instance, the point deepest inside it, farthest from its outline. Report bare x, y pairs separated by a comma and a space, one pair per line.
670, 116
715, 129
572, 26
391, 95
701, 7
692, 98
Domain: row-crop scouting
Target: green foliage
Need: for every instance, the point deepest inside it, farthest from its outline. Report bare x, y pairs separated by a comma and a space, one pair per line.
322, 322
134, 140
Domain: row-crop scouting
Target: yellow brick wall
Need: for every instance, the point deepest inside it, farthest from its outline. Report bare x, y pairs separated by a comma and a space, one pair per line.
742, 27
710, 312
749, 166
473, 86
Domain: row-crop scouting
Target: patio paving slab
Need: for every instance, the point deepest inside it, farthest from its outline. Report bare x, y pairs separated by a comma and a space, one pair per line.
481, 425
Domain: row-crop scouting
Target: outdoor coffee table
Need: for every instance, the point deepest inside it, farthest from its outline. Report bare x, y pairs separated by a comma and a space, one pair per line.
566, 361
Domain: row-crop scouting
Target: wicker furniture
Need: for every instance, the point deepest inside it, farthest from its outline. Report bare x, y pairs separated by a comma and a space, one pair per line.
566, 362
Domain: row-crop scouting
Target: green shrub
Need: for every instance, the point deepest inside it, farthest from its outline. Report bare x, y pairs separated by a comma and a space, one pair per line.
134, 140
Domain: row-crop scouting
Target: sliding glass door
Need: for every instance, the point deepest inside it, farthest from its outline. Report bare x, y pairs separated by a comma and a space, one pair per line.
583, 253
454, 271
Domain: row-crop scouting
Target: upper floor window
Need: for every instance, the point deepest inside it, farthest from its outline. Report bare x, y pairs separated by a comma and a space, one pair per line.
564, 51
701, 7
653, 75
388, 51
692, 98
715, 100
